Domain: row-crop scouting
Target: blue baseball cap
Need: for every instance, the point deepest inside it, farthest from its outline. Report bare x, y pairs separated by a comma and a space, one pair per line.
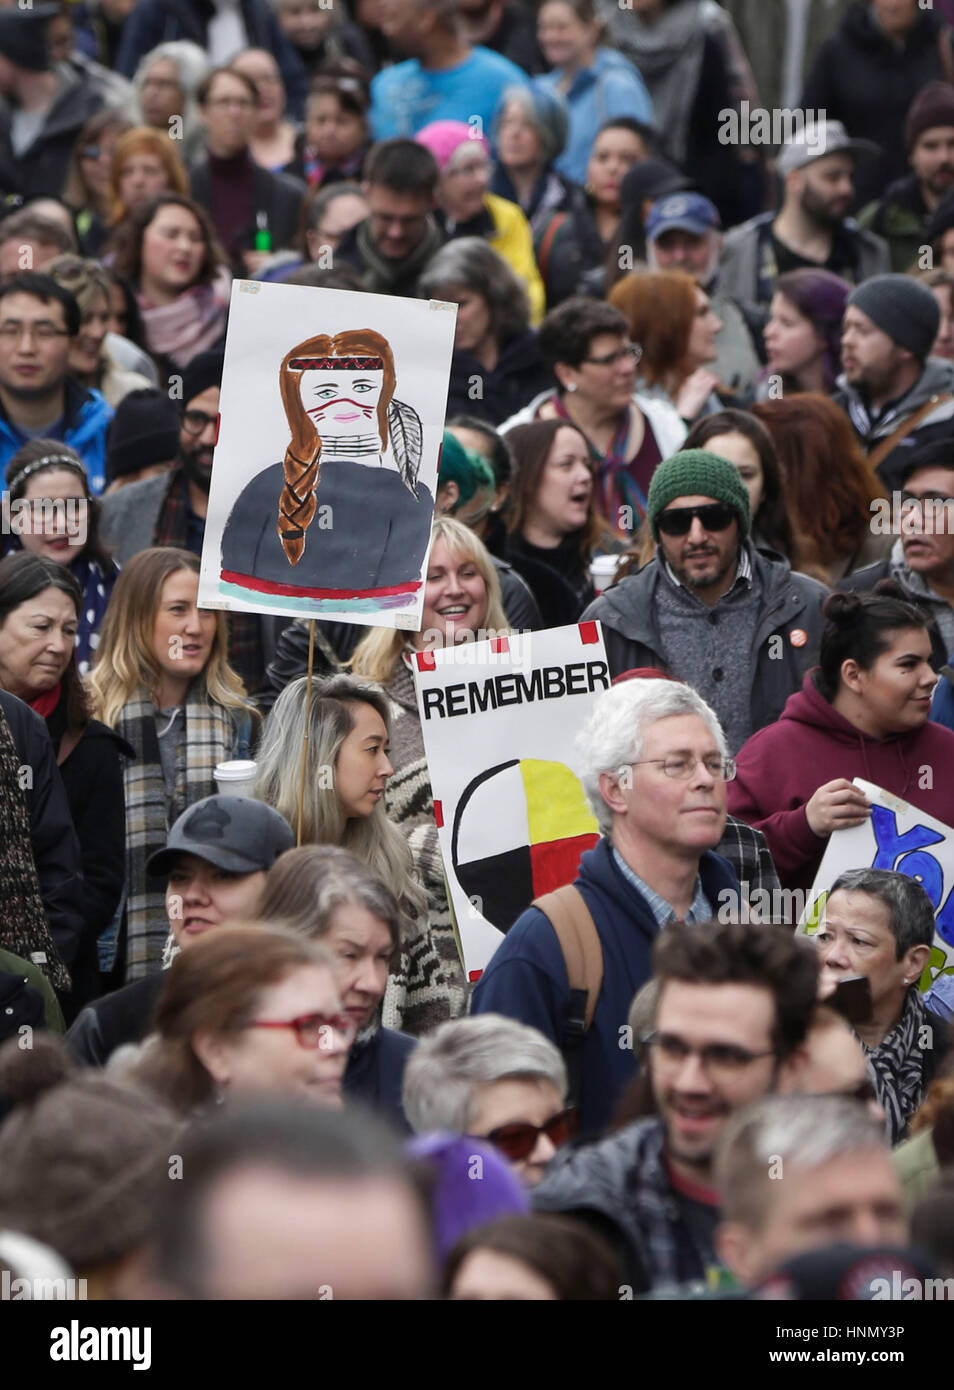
684, 212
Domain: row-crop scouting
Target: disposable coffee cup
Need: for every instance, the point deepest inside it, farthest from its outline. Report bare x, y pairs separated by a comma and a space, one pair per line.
236, 778
603, 570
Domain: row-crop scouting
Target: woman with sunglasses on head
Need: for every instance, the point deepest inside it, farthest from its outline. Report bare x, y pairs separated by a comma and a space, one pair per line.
586, 344
87, 187
493, 1078
247, 1012
329, 895
335, 140
863, 712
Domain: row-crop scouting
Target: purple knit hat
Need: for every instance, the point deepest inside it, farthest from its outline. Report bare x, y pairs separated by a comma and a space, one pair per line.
473, 1183
444, 139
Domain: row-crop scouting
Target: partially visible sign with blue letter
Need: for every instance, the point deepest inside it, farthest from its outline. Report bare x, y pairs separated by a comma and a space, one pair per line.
899, 837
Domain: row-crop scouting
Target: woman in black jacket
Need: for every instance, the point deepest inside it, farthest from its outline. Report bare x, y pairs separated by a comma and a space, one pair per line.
496, 368
40, 605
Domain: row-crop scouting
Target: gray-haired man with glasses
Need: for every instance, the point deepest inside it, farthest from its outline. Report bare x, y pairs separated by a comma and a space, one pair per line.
654, 767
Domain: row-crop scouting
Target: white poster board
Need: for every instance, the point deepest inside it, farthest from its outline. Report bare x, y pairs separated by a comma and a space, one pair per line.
499, 720
324, 475
897, 836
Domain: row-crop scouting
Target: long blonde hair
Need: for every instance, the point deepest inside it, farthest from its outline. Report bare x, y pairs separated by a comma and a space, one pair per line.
125, 660
377, 654
327, 721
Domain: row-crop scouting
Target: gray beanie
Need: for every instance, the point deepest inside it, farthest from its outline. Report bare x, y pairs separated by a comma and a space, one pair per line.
901, 307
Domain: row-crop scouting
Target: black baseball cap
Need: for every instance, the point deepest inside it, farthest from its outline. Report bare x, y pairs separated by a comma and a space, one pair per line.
236, 833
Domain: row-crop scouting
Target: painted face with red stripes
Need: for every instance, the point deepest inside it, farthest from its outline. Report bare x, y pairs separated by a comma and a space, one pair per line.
343, 401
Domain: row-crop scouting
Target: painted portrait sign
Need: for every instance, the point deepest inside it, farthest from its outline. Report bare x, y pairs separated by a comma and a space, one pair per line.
325, 468
499, 720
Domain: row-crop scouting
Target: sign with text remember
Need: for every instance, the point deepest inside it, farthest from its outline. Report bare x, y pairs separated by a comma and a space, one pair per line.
499, 720
897, 836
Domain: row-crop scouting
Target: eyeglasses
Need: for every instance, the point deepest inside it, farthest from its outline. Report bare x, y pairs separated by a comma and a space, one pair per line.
719, 1061
313, 1030
632, 351
518, 1141
683, 765
195, 421
12, 332
714, 516
387, 219
95, 152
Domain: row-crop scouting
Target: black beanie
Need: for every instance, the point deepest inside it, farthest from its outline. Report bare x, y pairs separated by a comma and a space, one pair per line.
144, 431
203, 371
901, 307
23, 36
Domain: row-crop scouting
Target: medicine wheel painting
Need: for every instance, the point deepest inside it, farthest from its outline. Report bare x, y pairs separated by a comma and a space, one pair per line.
519, 831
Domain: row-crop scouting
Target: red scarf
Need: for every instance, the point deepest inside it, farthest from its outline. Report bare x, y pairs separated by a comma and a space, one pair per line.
46, 703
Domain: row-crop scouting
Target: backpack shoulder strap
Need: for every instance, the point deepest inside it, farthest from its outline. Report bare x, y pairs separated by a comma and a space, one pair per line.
884, 446
547, 240
579, 941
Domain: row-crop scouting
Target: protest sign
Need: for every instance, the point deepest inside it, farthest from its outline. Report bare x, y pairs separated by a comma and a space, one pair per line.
499, 719
897, 836
331, 421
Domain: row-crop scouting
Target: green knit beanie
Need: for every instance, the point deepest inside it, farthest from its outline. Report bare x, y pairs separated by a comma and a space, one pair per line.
697, 473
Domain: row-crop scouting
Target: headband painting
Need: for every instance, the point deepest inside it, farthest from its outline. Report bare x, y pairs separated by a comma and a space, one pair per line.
339, 526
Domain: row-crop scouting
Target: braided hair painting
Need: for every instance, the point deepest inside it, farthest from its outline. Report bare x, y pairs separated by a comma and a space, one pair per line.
338, 394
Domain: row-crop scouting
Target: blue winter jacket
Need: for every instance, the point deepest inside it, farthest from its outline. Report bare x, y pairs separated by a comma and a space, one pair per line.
84, 426
611, 87
527, 979
375, 1074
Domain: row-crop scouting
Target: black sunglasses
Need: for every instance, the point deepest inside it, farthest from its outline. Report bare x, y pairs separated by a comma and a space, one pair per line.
714, 516
518, 1140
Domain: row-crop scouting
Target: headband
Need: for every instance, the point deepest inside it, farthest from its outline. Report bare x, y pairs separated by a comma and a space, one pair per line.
47, 461
344, 364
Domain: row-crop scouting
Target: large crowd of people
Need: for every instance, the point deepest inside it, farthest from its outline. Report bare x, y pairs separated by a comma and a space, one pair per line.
701, 256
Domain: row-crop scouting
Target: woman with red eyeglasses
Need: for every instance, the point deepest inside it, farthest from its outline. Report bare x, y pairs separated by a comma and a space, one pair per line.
495, 1079
248, 1011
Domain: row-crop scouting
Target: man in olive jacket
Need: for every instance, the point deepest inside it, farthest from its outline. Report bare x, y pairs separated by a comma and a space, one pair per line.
710, 609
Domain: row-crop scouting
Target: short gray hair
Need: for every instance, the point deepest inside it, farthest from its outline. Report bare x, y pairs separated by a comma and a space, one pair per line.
446, 1066
797, 1131
468, 263
615, 732
910, 912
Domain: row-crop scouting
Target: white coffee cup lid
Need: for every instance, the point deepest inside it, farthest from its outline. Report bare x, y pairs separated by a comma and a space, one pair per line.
239, 770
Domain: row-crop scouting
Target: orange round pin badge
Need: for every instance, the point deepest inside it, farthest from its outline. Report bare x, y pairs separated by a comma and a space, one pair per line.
798, 637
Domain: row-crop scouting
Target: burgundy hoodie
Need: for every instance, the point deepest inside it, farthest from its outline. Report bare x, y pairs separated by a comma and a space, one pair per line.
784, 764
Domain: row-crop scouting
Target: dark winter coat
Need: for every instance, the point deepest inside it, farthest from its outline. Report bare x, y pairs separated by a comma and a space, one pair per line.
527, 978
860, 77
56, 849
791, 605
40, 171
495, 395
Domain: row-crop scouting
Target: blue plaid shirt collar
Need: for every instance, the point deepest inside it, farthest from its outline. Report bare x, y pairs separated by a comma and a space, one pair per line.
700, 909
